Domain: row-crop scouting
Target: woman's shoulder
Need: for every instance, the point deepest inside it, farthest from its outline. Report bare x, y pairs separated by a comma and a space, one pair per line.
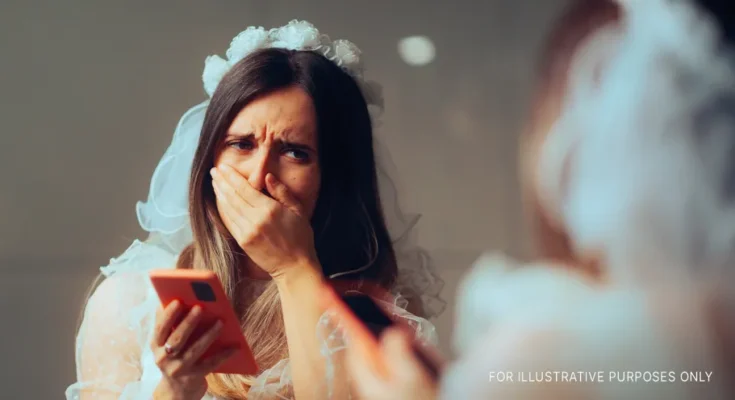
499, 289
497, 269
120, 290
142, 256
120, 300
125, 282
111, 342
497, 278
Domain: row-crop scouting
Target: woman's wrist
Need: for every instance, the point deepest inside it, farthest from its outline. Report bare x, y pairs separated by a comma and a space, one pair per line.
303, 274
164, 391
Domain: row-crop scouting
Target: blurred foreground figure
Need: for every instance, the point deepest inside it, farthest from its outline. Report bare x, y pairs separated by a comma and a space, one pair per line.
629, 168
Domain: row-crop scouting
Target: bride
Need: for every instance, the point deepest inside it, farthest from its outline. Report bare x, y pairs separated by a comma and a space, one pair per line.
272, 184
635, 174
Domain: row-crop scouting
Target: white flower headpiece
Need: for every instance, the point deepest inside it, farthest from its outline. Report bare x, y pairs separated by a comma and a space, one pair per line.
296, 35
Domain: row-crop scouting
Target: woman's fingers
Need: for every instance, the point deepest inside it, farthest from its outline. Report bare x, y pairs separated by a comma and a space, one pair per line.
181, 355
227, 194
235, 221
398, 350
230, 202
233, 185
432, 355
368, 383
165, 321
177, 340
281, 194
241, 186
211, 363
225, 185
197, 349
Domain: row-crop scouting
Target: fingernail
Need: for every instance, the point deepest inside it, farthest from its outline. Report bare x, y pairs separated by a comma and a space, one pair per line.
218, 324
213, 172
196, 310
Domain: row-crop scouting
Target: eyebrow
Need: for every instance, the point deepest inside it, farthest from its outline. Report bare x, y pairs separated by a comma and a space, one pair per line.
251, 136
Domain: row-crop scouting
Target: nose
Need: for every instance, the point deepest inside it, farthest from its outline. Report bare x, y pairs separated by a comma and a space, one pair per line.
261, 165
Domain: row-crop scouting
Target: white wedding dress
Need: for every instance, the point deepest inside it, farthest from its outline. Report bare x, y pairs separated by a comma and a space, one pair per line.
526, 324
113, 357
112, 350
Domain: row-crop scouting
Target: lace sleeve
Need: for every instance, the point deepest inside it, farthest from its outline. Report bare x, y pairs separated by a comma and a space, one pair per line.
111, 340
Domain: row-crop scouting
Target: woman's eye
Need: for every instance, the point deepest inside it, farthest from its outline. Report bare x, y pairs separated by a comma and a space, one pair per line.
297, 154
241, 145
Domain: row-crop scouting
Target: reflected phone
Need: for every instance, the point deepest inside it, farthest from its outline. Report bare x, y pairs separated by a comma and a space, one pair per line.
365, 321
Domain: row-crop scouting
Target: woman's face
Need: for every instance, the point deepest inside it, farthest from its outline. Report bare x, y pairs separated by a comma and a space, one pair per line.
549, 228
548, 235
276, 133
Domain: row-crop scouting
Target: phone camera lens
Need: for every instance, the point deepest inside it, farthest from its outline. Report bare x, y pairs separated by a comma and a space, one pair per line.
203, 291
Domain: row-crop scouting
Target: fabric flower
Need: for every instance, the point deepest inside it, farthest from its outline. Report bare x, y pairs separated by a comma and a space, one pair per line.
297, 35
346, 54
215, 69
246, 42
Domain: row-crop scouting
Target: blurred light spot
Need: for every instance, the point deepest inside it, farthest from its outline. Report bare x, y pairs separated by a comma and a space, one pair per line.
416, 50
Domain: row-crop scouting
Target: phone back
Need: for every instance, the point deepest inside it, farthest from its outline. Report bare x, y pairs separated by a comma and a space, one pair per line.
365, 320
203, 288
363, 337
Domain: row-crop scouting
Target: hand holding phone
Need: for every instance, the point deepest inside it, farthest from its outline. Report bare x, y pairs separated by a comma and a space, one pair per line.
198, 330
180, 356
364, 320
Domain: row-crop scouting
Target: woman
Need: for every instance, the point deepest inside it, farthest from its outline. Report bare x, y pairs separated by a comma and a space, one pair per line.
635, 169
273, 185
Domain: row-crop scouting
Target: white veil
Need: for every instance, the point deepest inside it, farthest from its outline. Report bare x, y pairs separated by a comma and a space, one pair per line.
165, 213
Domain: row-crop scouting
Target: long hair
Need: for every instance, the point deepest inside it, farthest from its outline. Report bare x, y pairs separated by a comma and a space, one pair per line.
348, 223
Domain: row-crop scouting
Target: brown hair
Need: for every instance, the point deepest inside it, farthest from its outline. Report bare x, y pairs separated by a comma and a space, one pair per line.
348, 223
581, 19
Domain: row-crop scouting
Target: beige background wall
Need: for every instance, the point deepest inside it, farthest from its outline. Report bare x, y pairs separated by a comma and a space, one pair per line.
91, 91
